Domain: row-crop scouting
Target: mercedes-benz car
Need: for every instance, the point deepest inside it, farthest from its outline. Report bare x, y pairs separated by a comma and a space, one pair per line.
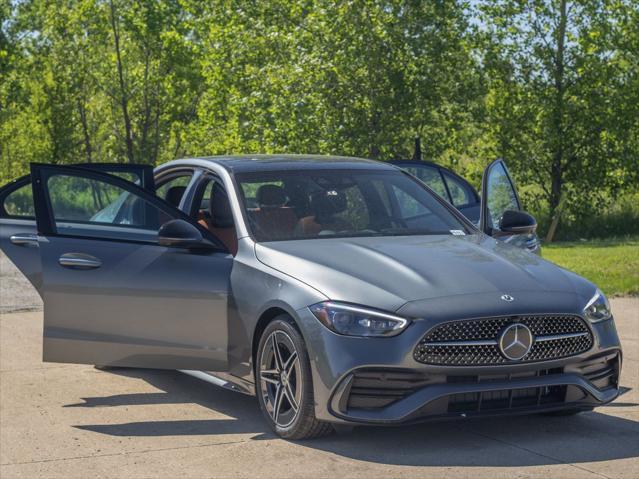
337, 290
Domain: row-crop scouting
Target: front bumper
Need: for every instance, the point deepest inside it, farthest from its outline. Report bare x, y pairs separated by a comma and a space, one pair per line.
377, 380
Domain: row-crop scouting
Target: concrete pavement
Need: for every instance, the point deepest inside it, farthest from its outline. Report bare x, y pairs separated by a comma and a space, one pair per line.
59, 420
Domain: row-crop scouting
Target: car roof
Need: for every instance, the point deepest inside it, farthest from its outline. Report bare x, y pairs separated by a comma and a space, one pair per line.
416, 162
251, 163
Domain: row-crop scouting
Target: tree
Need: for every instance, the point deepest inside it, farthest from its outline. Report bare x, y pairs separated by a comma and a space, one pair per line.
554, 68
360, 78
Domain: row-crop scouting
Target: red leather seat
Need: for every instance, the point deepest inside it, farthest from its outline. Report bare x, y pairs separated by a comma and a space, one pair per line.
272, 219
325, 205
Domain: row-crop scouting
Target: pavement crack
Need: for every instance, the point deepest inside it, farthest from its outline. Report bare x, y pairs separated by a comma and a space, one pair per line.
91, 456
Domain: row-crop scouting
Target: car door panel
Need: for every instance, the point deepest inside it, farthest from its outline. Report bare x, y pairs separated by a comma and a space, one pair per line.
18, 232
498, 195
114, 296
145, 306
18, 240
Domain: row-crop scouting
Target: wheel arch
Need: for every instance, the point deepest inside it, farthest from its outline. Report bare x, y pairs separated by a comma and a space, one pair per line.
269, 314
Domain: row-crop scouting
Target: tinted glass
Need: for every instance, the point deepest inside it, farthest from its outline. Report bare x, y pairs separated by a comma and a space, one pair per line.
173, 189
77, 201
340, 203
460, 192
20, 202
500, 194
431, 177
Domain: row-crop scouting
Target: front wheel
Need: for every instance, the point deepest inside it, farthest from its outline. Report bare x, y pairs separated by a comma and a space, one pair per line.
284, 384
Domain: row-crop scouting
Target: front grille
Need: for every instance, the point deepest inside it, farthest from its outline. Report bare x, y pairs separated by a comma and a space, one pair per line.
474, 342
504, 399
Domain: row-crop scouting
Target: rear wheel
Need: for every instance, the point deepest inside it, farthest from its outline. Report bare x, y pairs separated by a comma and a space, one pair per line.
284, 384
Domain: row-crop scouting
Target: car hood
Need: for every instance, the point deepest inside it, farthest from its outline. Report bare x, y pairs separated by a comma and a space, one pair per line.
389, 272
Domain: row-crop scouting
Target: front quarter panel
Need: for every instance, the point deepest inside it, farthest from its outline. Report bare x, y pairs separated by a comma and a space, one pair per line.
256, 289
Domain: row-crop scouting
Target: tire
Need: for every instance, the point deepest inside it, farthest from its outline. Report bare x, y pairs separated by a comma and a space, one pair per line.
290, 419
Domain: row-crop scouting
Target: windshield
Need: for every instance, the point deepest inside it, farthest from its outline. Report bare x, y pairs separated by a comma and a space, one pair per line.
303, 204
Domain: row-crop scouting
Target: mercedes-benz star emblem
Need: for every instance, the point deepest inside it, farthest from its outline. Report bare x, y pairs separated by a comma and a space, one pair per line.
507, 297
515, 341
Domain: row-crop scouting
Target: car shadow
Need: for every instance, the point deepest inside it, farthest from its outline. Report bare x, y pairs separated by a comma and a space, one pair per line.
487, 442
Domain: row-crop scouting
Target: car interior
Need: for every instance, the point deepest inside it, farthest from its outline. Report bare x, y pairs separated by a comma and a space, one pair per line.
298, 207
214, 213
295, 206
286, 210
174, 195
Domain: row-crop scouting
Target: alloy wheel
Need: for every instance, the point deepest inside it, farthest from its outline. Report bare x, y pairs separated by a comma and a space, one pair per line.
280, 378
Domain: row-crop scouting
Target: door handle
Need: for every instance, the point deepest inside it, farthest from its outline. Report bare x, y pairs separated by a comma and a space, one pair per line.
24, 239
79, 261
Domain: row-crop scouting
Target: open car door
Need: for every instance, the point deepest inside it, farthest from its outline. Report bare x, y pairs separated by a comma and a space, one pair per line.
18, 238
499, 207
114, 292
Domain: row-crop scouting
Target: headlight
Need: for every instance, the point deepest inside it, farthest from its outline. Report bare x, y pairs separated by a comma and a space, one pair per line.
357, 321
598, 308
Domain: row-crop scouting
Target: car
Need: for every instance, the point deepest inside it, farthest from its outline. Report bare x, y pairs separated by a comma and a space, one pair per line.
338, 290
461, 194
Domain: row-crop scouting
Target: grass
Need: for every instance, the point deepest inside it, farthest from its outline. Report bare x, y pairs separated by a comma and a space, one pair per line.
611, 264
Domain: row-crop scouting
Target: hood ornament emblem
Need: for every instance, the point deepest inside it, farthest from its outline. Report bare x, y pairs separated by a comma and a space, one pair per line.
507, 297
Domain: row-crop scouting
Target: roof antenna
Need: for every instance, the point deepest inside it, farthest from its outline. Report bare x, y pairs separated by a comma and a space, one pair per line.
417, 154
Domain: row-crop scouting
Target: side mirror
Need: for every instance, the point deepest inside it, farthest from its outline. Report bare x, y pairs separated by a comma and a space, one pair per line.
517, 223
182, 234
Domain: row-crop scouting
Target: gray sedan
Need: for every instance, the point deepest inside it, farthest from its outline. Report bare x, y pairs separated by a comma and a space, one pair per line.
338, 290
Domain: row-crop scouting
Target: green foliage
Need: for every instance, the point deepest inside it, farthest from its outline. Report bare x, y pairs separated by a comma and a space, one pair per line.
612, 264
552, 90
564, 97
618, 219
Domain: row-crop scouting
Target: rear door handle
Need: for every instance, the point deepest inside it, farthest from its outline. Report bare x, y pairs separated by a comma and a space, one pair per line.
79, 261
24, 239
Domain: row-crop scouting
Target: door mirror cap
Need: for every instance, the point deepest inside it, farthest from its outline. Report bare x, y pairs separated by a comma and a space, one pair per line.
182, 234
517, 222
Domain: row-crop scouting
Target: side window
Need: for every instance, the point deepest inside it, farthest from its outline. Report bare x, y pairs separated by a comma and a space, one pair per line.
173, 189
19, 203
431, 177
79, 204
459, 191
500, 194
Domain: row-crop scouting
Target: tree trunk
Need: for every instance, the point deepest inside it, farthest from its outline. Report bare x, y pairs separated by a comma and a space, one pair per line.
556, 169
88, 150
124, 101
